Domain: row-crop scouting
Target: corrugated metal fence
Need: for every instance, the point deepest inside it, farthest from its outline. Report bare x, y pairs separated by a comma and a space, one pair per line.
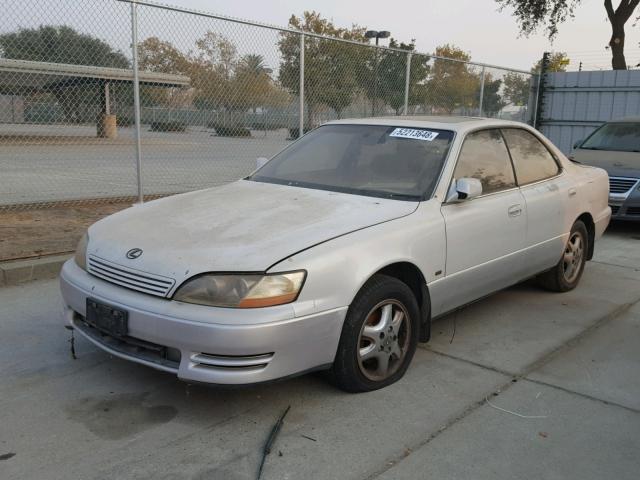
575, 103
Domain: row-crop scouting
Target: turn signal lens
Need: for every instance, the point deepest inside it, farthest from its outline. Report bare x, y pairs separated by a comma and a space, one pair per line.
274, 290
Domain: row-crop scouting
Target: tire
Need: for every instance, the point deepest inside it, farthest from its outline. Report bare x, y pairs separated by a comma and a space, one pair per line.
566, 274
383, 322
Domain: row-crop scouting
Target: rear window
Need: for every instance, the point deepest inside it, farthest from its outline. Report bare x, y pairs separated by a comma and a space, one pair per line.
531, 159
617, 137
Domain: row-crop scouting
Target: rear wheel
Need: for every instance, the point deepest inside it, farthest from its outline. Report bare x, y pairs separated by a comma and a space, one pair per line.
379, 336
566, 274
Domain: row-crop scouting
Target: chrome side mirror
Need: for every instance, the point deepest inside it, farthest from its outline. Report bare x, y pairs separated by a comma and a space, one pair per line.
464, 189
260, 162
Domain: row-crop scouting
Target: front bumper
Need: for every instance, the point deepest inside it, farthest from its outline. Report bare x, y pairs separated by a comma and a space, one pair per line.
205, 344
628, 209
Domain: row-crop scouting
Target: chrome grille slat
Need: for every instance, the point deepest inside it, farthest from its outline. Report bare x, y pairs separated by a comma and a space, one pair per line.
621, 185
127, 284
111, 267
129, 278
225, 362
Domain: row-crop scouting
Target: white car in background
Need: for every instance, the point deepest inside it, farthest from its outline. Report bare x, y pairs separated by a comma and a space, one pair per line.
338, 253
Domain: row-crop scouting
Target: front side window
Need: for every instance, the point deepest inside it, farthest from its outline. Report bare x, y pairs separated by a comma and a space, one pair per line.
484, 156
375, 160
617, 137
531, 159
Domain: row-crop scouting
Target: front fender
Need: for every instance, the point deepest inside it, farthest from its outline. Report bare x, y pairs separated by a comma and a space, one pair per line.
337, 269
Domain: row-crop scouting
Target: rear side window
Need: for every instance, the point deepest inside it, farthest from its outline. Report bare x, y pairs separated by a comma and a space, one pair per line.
531, 159
484, 156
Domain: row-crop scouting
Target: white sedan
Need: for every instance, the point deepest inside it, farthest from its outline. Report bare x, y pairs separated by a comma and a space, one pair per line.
336, 254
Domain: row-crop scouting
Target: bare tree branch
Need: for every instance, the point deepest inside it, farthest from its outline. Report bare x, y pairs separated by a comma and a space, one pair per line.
609, 8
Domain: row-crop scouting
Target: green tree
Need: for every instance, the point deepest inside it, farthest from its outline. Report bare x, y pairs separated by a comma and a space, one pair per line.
452, 85
63, 44
254, 63
558, 62
331, 68
532, 14
391, 76
60, 44
157, 55
212, 67
492, 100
253, 81
517, 88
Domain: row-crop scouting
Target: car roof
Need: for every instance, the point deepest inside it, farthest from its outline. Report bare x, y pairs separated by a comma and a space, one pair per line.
456, 123
626, 120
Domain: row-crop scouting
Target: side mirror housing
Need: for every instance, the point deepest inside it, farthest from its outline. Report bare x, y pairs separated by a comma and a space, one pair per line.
464, 189
261, 161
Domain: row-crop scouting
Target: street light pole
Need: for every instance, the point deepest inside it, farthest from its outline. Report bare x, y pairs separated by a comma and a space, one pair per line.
375, 84
377, 35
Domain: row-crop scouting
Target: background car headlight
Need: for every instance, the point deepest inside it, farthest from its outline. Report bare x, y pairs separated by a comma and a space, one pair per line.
81, 252
242, 291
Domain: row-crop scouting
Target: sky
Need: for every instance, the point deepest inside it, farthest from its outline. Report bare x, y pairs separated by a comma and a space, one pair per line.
477, 26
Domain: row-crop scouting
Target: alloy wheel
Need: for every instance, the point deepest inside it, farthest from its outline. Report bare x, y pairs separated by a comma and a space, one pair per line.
572, 260
384, 340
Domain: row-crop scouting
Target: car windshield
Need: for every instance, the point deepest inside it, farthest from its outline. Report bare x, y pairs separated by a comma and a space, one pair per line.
375, 160
619, 137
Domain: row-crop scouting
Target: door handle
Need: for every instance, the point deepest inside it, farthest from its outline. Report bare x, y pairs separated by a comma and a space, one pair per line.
572, 192
515, 210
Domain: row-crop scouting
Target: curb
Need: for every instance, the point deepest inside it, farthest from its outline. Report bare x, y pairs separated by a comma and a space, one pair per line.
17, 272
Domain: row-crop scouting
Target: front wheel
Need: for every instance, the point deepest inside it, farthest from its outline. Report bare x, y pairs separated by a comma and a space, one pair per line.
379, 336
568, 271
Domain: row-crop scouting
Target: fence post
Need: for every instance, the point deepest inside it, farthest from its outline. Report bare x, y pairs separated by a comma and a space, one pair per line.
301, 106
136, 96
482, 92
406, 84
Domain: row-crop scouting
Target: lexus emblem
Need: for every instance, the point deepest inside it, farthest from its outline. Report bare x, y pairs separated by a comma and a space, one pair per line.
134, 253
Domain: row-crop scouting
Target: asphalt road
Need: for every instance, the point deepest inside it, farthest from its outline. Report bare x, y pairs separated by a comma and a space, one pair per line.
67, 163
524, 384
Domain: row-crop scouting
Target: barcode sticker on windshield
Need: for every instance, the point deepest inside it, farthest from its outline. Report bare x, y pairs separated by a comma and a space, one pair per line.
414, 133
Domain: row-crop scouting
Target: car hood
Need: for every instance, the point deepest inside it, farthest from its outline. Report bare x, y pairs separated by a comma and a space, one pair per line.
244, 226
617, 164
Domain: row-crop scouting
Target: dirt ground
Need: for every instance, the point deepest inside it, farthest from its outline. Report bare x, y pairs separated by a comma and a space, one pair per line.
48, 231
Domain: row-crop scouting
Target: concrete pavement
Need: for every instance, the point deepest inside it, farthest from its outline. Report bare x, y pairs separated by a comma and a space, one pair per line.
560, 372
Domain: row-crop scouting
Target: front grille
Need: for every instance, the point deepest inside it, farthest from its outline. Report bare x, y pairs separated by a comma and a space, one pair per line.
633, 211
130, 278
620, 185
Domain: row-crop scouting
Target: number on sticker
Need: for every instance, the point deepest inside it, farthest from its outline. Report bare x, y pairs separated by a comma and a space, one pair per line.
414, 133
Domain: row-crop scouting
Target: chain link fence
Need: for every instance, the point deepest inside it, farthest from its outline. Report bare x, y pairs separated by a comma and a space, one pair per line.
215, 93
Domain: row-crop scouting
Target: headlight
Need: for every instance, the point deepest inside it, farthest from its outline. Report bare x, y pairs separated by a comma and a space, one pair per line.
242, 291
81, 252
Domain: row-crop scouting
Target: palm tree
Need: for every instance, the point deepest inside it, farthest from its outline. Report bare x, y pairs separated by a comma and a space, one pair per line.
254, 63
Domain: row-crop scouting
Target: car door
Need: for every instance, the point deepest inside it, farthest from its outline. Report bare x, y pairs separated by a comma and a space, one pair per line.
547, 194
485, 234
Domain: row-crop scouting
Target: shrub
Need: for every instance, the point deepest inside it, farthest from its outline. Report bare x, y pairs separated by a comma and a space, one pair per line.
230, 130
294, 132
167, 126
